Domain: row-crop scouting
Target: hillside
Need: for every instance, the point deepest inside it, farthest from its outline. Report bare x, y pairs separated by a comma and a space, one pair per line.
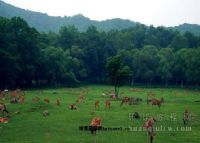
43, 22
193, 28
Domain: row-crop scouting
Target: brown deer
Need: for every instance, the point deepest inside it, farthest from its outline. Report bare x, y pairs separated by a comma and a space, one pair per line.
36, 99
21, 99
107, 104
80, 99
124, 100
149, 125
72, 107
157, 102
46, 100
96, 105
95, 123
3, 108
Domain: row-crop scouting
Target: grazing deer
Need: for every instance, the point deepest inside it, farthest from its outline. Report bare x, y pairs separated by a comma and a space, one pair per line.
36, 99
96, 105
72, 107
3, 108
130, 100
157, 102
80, 99
3, 120
46, 100
124, 100
107, 104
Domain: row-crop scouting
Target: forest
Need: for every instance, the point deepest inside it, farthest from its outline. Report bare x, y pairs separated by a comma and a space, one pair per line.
155, 55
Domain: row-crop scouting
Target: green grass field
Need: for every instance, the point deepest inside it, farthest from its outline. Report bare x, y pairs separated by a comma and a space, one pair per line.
62, 125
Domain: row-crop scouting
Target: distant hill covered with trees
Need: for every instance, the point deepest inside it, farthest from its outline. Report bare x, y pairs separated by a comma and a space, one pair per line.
44, 23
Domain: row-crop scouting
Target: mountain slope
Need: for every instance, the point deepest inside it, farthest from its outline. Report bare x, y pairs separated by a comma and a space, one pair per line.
193, 28
43, 22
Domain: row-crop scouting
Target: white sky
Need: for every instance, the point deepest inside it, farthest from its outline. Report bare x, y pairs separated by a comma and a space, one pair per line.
156, 12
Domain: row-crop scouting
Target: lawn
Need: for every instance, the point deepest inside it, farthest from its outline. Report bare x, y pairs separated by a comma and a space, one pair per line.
62, 125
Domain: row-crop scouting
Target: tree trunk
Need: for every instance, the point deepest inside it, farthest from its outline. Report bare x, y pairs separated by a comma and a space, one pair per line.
117, 91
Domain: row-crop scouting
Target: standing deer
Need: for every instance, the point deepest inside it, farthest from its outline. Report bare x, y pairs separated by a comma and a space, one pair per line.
3, 108
124, 100
96, 105
107, 104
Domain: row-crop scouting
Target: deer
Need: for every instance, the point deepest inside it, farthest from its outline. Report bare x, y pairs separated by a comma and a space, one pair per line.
149, 125
80, 99
96, 105
124, 100
157, 102
4, 110
36, 99
72, 107
46, 100
21, 99
107, 104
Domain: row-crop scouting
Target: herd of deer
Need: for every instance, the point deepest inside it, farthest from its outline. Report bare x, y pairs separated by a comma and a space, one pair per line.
18, 96
130, 100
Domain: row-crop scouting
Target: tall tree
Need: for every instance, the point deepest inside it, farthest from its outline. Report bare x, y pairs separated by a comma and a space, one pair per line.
117, 72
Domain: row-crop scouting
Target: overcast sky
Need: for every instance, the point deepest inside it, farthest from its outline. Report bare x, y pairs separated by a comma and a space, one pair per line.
156, 12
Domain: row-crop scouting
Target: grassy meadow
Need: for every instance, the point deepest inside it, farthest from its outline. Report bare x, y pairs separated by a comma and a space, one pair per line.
62, 125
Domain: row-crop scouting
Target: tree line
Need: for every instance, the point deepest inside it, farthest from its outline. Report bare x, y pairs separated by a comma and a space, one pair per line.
154, 55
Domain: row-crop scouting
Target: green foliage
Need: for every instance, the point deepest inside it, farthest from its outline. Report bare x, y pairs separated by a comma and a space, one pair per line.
166, 62
193, 28
117, 72
68, 36
154, 55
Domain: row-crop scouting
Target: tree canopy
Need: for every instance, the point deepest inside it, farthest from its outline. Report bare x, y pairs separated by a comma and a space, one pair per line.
154, 55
